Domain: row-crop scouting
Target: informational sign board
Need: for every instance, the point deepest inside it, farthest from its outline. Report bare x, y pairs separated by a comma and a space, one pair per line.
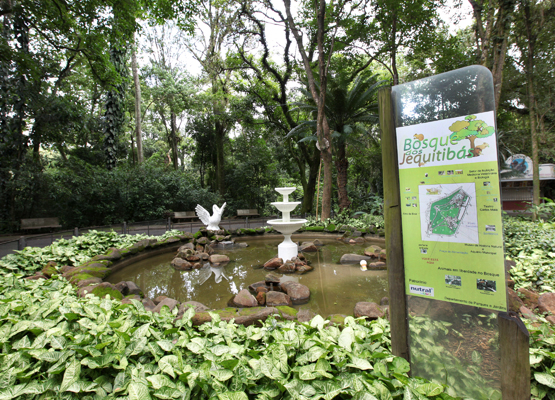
451, 211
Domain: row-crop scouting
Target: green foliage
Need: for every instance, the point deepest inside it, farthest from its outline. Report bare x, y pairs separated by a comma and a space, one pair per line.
532, 246
542, 361
74, 251
54, 342
343, 218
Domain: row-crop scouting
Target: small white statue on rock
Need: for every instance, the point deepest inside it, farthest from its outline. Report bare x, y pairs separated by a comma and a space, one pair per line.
213, 221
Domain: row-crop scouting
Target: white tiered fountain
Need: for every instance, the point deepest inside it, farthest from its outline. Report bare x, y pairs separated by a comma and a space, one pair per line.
287, 249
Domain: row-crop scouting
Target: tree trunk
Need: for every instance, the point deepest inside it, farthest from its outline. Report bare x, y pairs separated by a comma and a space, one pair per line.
342, 166
174, 139
531, 41
136, 81
220, 159
394, 52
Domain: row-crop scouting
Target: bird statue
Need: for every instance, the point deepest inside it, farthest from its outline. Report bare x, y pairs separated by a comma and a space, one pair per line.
213, 221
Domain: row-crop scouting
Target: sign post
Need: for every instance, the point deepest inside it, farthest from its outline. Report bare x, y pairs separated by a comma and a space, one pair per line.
444, 236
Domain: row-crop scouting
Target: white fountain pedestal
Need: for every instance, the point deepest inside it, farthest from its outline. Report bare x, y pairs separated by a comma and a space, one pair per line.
287, 249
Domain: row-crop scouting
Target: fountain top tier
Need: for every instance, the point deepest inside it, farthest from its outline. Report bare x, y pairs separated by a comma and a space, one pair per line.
287, 249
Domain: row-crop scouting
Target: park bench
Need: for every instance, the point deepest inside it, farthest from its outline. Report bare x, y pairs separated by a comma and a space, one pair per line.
184, 215
39, 223
251, 212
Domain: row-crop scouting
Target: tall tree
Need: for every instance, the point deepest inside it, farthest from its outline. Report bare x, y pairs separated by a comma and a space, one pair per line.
219, 19
268, 83
492, 26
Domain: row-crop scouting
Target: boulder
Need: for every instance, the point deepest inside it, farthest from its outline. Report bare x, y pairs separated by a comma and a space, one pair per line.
274, 299
297, 292
199, 307
86, 290
158, 299
148, 304
49, 269
287, 268
112, 254
261, 289
273, 277
185, 253
353, 259
90, 281
274, 263
305, 315
203, 256
218, 259
197, 265
133, 288
253, 287
203, 240
383, 254
193, 258
121, 286
171, 303
66, 268
359, 240
378, 265
384, 301
180, 264
308, 247
528, 314
304, 268
546, 303
515, 302
254, 315
368, 310
529, 298
106, 288
261, 298
244, 299
372, 251
550, 319
317, 242
187, 246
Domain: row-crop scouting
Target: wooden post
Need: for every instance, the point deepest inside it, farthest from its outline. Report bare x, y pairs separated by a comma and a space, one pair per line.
514, 341
393, 229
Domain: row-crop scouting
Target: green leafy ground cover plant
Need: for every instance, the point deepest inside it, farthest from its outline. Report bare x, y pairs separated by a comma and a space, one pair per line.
532, 246
57, 345
74, 251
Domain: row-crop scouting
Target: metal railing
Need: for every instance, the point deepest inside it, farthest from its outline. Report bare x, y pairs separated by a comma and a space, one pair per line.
154, 228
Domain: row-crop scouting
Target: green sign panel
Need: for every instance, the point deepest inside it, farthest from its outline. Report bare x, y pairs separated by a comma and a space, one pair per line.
451, 211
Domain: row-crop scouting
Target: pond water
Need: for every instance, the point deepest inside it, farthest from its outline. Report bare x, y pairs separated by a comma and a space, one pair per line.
335, 288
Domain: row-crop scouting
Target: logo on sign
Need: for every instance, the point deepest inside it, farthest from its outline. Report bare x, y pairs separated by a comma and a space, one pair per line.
423, 290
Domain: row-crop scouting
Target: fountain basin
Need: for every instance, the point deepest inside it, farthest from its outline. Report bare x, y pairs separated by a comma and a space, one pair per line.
286, 227
285, 207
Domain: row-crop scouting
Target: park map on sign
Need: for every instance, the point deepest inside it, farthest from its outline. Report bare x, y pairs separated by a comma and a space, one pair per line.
447, 213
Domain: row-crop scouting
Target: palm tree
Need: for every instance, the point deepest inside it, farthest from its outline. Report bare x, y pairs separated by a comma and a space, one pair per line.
351, 107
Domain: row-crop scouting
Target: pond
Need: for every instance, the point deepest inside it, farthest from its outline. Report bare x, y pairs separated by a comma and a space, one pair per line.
335, 288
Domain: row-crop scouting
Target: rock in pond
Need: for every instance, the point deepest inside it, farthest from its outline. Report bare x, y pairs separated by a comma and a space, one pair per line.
298, 293
353, 259
245, 299
180, 264
368, 310
218, 259
308, 247
274, 299
378, 265
274, 263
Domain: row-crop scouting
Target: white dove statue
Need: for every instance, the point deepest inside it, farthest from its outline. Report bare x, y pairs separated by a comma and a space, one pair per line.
213, 221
